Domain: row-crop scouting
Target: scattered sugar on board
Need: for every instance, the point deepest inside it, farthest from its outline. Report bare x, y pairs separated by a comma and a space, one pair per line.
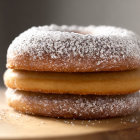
3, 114
131, 119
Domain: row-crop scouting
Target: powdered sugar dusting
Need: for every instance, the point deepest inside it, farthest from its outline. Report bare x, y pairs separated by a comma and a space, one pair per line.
75, 106
98, 44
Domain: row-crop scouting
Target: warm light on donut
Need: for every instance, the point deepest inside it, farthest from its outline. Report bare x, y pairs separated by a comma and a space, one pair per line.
82, 72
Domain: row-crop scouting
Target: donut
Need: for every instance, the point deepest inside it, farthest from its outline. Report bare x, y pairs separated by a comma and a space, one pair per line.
74, 72
73, 106
101, 83
75, 49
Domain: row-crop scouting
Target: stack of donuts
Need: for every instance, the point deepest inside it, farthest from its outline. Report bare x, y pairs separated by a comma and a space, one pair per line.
74, 72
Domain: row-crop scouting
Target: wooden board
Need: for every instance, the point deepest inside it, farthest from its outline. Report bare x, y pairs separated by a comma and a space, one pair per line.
14, 125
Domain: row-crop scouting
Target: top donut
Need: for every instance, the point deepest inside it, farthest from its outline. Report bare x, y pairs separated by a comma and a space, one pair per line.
74, 49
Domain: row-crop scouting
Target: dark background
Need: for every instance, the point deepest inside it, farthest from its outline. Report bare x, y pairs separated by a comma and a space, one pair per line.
18, 15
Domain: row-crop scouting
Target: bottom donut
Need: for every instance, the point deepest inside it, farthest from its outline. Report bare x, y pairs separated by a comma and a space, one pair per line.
73, 106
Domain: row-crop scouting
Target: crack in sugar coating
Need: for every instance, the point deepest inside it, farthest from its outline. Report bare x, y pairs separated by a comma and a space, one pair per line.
60, 48
73, 106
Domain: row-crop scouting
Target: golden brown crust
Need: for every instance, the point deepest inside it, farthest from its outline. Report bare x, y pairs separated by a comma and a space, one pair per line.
73, 106
24, 62
100, 83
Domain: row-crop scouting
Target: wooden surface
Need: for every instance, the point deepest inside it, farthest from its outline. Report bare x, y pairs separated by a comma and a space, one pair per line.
14, 125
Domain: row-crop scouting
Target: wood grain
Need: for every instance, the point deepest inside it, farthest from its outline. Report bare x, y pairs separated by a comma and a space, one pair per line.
14, 125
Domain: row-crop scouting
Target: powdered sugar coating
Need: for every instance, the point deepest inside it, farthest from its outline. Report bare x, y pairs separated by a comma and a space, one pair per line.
73, 106
68, 48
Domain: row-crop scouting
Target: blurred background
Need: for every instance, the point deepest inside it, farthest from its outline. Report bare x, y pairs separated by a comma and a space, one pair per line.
19, 15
